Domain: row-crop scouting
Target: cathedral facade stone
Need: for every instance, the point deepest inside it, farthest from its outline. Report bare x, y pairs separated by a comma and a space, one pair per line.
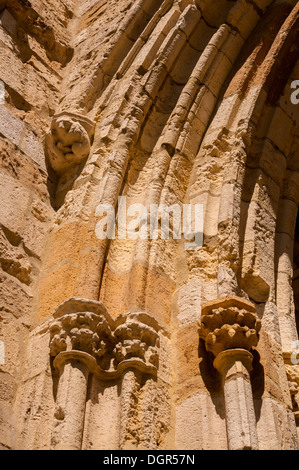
146, 342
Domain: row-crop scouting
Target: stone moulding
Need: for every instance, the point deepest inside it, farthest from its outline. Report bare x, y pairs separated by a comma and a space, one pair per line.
69, 141
85, 329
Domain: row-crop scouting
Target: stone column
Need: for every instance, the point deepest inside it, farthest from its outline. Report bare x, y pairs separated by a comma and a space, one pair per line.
85, 341
128, 408
74, 369
136, 354
234, 366
230, 329
76, 341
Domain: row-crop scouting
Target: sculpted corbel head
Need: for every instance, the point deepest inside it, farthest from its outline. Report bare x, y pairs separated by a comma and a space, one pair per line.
69, 141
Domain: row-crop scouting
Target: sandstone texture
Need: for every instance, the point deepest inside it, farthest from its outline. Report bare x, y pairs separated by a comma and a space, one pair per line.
132, 343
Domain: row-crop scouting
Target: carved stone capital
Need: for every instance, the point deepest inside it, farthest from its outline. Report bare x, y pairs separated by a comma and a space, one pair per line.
229, 323
136, 339
86, 326
82, 332
69, 141
230, 328
293, 381
80, 326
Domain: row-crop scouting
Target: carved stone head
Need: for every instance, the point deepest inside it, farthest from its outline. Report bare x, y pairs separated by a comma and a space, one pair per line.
69, 141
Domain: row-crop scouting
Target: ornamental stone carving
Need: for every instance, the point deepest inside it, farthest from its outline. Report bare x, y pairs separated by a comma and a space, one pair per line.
86, 343
69, 141
136, 340
113, 345
230, 329
292, 370
82, 332
229, 323
293, 380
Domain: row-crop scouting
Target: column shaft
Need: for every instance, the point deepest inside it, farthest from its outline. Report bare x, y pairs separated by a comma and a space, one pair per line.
128, 391
70, 405
235, 365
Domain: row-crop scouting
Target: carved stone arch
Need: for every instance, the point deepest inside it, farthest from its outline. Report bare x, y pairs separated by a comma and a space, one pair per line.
246, 148
165, 102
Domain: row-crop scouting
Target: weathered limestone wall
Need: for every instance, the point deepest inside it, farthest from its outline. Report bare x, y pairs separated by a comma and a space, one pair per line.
161, 101
34, 50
